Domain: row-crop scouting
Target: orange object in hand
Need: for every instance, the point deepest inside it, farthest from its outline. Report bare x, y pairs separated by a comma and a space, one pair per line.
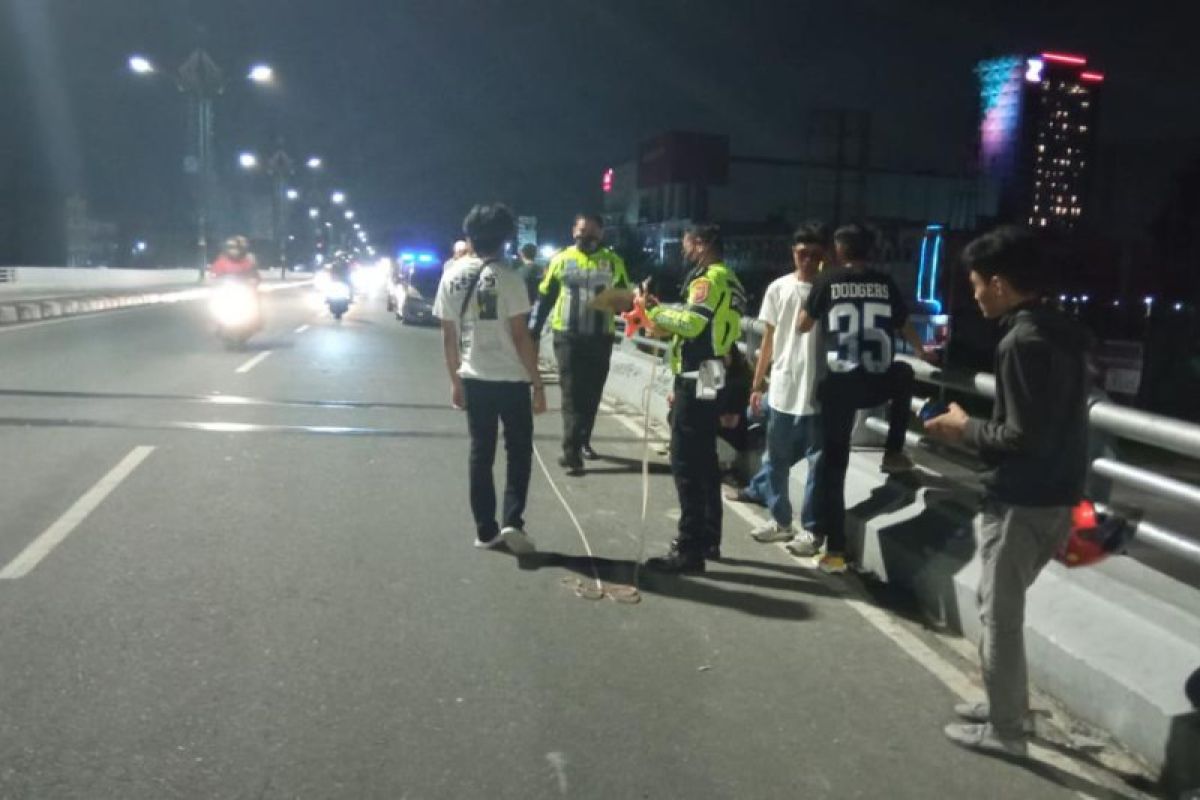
636, 319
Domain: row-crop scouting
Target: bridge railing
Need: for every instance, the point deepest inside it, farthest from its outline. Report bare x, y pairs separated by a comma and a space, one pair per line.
1106, 419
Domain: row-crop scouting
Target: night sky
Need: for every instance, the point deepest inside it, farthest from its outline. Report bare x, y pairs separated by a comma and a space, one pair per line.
421, 108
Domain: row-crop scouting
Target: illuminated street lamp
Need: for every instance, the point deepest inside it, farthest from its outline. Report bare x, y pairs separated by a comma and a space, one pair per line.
248, 160
141, 65
314, 162
262, 74
292, 194
201, 80
338, 198
349, 215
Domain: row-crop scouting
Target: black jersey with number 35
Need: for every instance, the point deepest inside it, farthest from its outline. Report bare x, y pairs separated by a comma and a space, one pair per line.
859, 311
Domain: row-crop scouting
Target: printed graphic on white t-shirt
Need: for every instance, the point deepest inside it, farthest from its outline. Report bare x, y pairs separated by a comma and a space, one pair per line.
796, 363
488, 350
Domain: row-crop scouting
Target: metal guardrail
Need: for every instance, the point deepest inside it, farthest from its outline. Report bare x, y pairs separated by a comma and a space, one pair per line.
8, 275
1164, 433
1105, 417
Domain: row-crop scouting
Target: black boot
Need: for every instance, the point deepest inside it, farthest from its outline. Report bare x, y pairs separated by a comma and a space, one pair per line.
677, 562
572, 463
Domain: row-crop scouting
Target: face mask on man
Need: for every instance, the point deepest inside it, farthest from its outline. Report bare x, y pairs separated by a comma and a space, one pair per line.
588, 244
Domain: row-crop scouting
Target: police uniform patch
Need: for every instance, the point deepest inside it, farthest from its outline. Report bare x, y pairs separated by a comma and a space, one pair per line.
700, 289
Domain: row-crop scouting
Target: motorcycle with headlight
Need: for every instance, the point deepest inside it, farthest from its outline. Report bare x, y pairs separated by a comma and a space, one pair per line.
337, 296
235, 308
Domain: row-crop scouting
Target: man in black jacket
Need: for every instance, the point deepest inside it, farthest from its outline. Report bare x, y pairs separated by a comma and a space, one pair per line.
1036, 446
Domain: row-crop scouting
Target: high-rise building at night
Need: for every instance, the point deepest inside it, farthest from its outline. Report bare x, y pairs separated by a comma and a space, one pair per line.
1037, 136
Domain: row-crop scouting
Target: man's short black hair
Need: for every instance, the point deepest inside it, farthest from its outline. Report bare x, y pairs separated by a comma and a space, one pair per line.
1010, 251
856, 240
489, 226
812, 232
529, 250
707, 233
588, 216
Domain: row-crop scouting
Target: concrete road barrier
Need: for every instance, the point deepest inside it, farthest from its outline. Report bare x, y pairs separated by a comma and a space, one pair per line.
1115, 642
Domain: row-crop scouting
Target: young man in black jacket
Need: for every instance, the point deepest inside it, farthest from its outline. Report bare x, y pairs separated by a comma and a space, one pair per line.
1036, 446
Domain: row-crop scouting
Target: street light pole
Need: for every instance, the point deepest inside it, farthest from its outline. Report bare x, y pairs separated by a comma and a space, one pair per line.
279, 168
201, 80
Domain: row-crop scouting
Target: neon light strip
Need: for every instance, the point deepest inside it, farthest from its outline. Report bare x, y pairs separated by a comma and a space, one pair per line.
1065, 59
937, 252
1095, 77
921, 267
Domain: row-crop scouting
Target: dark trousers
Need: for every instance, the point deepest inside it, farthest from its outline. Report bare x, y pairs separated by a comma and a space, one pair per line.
841, 396
582, 370
488, 404
694, 425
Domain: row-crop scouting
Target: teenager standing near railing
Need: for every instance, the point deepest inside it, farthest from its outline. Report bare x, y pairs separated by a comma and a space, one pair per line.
861, 311
1036, 443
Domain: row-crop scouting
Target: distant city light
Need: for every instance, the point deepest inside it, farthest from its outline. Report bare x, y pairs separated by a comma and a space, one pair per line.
292, 194
1178, 306
349, 215
314, 213
1085, 298
338, 198
1148, 299
139, 246
313, 163
1062, 58
607, 182
1033, 71
248, 160
548, 251
1094, 77
141, 65
261, 73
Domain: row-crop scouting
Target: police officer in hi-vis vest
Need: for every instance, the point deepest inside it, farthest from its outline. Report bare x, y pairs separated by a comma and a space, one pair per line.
583, 336
703, 329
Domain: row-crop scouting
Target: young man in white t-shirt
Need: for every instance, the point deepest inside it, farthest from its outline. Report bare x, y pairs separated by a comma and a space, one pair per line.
796, 364
492, 361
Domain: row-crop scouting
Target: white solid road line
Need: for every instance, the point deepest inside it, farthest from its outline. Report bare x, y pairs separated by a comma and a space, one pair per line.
254, 362
302, 329
53, 536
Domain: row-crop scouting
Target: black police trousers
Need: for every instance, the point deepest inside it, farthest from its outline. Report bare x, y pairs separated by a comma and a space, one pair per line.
694, 426
582, 370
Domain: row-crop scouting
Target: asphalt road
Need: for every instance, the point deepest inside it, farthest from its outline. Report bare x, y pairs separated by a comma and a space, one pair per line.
280, 599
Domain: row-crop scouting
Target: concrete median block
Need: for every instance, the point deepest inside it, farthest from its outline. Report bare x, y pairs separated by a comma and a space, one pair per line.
8, 315
51, 308
1088, 630
70, 307
29, 312
1114, 642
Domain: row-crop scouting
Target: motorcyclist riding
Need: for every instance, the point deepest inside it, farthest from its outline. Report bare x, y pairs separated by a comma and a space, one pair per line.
236, 261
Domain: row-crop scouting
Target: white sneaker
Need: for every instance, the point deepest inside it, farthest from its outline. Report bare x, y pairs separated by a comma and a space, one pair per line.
983, 738
517, 540
805, 545
772, 531
490, 544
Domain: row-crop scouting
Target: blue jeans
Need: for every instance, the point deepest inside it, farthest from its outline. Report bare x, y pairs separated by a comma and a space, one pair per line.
790, 438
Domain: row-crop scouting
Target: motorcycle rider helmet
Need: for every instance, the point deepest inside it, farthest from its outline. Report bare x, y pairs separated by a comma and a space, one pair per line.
236, 247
